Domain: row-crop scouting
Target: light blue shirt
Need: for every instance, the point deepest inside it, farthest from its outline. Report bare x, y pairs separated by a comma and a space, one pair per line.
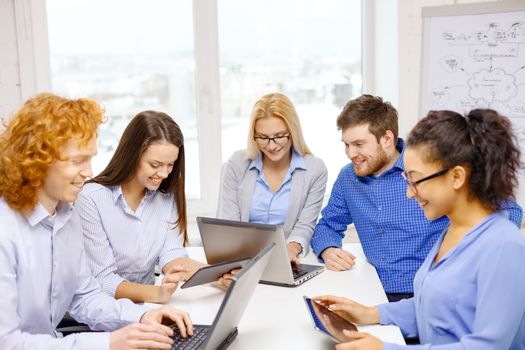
272, 207
473, 298
126, 245
43, 274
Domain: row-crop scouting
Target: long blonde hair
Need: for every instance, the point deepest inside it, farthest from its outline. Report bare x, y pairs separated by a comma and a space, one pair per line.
279, 106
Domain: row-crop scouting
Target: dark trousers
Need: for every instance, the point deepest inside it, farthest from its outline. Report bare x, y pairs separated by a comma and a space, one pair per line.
392, 298
68, 325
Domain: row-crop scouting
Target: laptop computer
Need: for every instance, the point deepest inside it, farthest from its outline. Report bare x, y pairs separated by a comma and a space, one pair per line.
225, 240
224, 328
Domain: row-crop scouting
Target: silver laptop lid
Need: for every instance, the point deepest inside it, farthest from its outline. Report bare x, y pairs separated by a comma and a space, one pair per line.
237, 297
225, 240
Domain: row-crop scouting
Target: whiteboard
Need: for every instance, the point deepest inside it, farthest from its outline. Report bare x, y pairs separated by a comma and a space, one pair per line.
473, 56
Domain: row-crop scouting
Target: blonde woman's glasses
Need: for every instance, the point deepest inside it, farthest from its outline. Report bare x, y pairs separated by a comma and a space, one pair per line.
264, 141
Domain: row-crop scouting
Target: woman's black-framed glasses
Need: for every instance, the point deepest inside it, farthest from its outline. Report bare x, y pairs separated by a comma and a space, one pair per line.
264, 141
412, 184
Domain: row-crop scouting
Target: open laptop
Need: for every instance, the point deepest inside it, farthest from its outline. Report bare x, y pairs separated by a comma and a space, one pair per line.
226, 240
224, 328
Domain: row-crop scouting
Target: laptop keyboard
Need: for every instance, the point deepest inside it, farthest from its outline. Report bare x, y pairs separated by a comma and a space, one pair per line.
193, 342
298, 272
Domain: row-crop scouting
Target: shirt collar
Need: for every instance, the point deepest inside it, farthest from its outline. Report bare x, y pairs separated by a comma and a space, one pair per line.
400, 146
297, 162
63, 212
116, 191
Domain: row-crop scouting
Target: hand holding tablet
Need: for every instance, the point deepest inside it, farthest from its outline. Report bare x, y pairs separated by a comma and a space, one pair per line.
211, 273
328, 321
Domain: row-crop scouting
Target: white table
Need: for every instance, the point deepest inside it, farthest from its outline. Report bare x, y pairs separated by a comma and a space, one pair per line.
276, 317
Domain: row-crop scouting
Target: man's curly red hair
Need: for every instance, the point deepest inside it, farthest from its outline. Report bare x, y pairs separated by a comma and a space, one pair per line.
33, 140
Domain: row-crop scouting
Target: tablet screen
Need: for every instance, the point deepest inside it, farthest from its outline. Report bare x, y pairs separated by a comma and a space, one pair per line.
328, 321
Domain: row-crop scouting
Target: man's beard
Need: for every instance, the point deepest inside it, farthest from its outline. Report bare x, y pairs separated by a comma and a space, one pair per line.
373, 164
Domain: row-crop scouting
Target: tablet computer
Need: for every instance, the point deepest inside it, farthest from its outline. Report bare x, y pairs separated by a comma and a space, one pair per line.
211, 273
328, 322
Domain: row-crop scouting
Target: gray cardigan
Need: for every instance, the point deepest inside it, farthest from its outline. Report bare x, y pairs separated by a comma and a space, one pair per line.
306, 196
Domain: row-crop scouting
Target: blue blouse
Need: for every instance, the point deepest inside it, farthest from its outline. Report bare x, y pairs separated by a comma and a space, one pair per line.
272, 207
473, 298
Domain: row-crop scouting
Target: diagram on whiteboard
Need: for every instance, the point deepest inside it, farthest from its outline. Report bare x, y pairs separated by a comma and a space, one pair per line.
477, 62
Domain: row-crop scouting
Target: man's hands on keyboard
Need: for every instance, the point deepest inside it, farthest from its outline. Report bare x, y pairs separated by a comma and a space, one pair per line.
192, 342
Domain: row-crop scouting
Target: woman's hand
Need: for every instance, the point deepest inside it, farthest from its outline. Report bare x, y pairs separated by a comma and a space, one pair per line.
225, 280
190, 265
349, 309
361, 341
294, 249
174, 274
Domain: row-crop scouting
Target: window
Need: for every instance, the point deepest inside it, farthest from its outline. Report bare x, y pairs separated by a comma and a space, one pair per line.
129, 59
170, 56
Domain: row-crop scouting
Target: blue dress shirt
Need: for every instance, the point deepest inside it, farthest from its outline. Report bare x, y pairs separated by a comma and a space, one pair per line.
125, 245
473, 298
272, 207
43, 274
395, 235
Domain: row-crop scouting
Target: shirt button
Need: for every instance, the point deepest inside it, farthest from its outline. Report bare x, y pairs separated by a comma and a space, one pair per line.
379, 208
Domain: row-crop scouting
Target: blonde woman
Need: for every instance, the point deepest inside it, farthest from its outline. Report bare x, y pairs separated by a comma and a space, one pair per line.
276, 179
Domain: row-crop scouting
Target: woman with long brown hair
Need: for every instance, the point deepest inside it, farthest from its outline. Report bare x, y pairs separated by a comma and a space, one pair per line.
134, 212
